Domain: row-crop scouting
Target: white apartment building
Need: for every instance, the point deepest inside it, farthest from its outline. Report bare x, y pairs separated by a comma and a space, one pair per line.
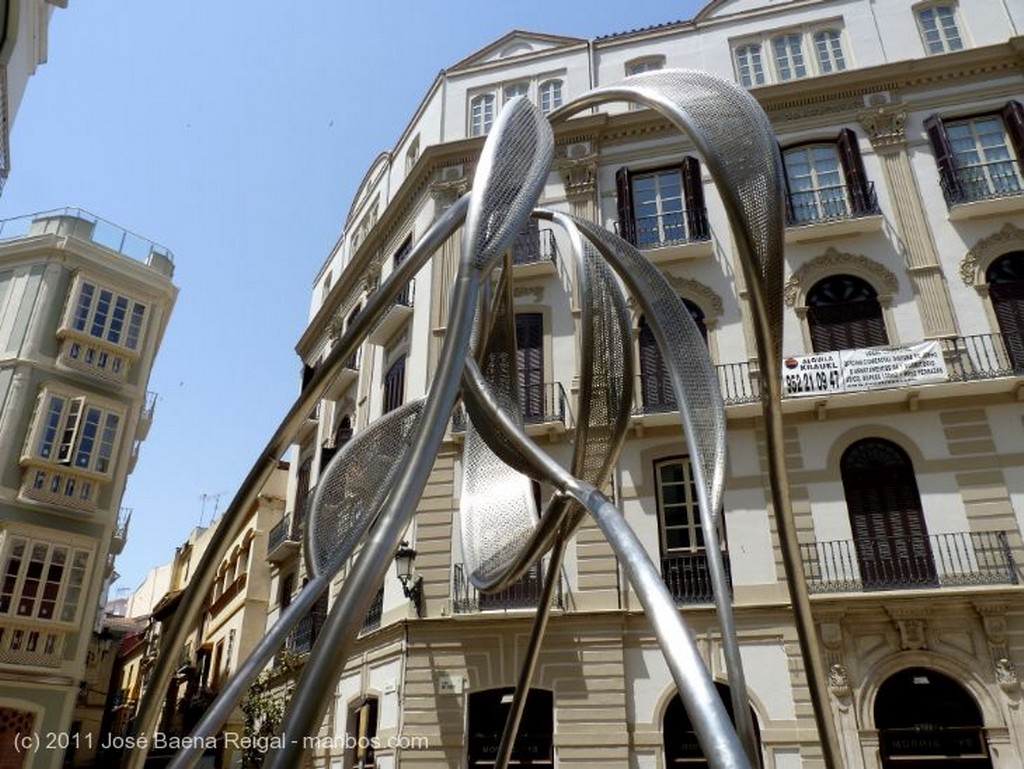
901, 127
84, 305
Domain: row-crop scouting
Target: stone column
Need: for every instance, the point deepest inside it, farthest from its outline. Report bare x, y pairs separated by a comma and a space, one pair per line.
886, 128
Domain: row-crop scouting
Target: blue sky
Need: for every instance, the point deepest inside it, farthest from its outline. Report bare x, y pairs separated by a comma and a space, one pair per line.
235, 135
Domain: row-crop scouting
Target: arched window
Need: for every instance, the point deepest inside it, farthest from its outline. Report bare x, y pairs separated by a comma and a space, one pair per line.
925, 718
481, 114
655, 385
487, 712
844, 314
1005, 278
889, 532
680, 739
550, 95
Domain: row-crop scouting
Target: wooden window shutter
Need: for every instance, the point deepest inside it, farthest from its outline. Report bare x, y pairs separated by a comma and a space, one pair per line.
693, 193
945, 159
624, 198
853, 171
1013, 120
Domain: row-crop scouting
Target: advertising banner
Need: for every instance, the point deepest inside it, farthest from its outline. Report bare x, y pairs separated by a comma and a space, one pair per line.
873, 368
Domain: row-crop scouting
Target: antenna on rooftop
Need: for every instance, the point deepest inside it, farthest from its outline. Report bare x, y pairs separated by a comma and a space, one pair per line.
216, 504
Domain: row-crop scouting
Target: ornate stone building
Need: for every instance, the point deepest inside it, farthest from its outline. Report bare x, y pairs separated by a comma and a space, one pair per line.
901, 129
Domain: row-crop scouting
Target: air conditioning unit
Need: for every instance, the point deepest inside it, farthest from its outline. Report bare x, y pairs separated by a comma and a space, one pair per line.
577, 150
451, 173
879, 99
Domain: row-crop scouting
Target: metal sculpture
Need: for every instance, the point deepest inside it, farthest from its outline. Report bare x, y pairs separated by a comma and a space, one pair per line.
371, 488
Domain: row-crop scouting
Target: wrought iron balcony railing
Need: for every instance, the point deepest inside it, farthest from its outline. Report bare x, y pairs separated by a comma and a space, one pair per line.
406, 295
984, 356
539, 404
523, 594
983, 181
374, 614
925, 561
827, 204
653, 394
687, 576
534, 247
281, 532
669, 229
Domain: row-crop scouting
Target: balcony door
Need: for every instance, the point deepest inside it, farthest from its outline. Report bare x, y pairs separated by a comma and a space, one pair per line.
488, 709
530, 362
680, 738
1005, 278
843, 313
655, 384
886, 518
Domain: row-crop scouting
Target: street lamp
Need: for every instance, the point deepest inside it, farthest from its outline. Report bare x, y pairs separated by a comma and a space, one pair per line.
412, 584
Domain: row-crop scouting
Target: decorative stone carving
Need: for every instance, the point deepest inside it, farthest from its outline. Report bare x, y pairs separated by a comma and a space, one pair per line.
833, 261
534, 292
1009, 238
446, 191
912, 634
577, 163
817, 109
839, 682
1006, 675
698, 292
886, 126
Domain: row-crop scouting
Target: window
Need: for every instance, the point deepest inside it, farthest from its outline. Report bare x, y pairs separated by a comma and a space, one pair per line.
655, 385
530, 364
662, 207
684, 565
72, 431
1005, 279
829, 50
481, 114
749, 66
827, 181
979, 157
516, 89
41, 580
550, 96
302, 489
101, 313
939, 29
404, 297
843, 313
394, 386
889, 532
362, 731
487, 711
789, 57
647, 64
412, 155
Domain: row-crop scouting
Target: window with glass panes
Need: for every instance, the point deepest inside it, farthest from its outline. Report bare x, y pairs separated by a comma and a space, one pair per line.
658, 211
817, 190
678, 508
481, 114
516, 89
107, 315
76, 433
939, 28
394, 386
789, 57
749, 65
41, 580
829, 49
550, 95
984, 156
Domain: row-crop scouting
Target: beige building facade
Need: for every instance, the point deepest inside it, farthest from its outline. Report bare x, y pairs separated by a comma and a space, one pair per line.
901, 129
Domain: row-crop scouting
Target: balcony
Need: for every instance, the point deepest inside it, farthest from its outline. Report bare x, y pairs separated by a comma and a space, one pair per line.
81, 225
347, 374
302, 637
374, 614
687, 578
120, 535
283, 541
535, 253
146, 416
829, 212
34, 645
912, 562
395, 317
544, 408
654, 396
523, 594
984, 189
672, 236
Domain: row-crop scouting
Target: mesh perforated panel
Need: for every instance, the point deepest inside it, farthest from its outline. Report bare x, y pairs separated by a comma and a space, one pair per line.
512, 170
353, 487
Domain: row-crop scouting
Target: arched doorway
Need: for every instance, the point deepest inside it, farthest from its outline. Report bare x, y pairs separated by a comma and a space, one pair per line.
889, 532
843, 313
679, 738
486, 721
926, 720
1005, 278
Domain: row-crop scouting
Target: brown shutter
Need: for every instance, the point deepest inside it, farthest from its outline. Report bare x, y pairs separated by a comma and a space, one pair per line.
624, 197
853, 171
951, 186
1013, 119
693, 199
